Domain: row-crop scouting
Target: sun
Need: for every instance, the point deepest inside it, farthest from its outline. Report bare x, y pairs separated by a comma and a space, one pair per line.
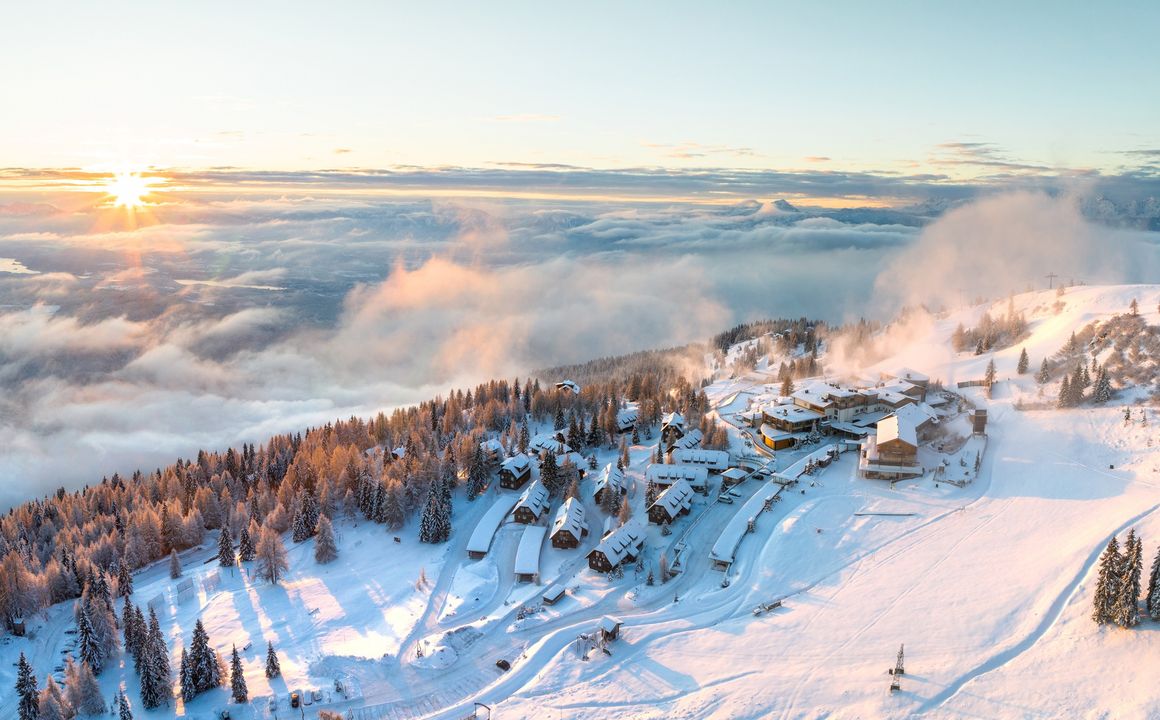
128, 189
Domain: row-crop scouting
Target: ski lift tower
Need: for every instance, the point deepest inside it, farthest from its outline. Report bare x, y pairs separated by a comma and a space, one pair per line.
898, 671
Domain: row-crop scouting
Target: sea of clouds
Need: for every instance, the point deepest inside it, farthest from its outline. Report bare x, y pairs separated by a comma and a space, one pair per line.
222, 321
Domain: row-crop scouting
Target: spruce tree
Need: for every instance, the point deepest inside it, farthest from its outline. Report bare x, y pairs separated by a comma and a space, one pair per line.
203, 661
123, 711
1064, 399
155, 671
1153, 600
476, 474
174, 565
88, 649
1127, 609
238, 679
550, 474
429, 523
1024, 362
188, 682
273, 669
28, 707
1103, 389
225, 548
1044, 373
325, 549
1107, 584
128, 627
124, 578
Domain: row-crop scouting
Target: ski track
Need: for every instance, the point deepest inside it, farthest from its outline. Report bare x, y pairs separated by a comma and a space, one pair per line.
1054, 611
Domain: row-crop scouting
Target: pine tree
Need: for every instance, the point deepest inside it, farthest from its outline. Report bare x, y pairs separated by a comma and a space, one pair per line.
273, 669
28, 708
123, 711
174, 565
225, 548
271, 556
1024, 362
325, 549
1044, 373
1107, 584
1127, 608
238, 678
1153, 600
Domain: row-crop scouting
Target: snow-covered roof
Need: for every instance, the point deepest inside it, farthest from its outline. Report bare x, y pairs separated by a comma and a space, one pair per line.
548, 441
517, 464
554, 593
675, 498
570, 517
674, 419
534, 498
915, 415
815, 394
528, 553
793, 413
480, 541
609, 623
773, 433
690, 439
712, 459
906, 373
626, 539
399, 452
611, 475
491, 446
569, 385
735, 474
892, 427
575, 458
659, 474
726, 545
627, 416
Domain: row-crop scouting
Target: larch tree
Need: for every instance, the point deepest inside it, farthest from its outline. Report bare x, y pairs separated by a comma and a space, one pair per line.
625, 512
84, 692
325, 549
271, 556
174, 565
52, 704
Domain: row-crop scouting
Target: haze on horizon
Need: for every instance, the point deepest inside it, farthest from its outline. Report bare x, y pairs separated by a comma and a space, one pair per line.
343, 210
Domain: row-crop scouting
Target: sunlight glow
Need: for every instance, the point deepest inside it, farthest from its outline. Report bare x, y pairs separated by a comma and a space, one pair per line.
128, 189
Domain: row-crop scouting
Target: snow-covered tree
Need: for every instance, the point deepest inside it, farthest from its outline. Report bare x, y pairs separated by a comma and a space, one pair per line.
435, 524
84, 693
154, 666
53, 705
1152, 602
1103, 390
124, 578
174, 565
1024, 362
246, 549
28, 707
625, 513
238, 678
1107, 584
88, 648
989, 373
1065, 395
476, 473
271, 556
203, 661
123, 711
1127, 608
225, 548
325, 549
188, 682
1044, 373
273, 669
550, 474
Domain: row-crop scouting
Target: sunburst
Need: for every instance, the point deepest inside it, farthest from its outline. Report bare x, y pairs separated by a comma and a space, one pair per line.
128, 189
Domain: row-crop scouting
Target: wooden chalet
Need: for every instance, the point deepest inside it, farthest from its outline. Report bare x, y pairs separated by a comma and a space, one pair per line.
672, 428
532, 504
569, 385
515, 471
696, 477
609, 628
674, 502
715, 461
626, 419
611, 480
620, 545
569, 527
493, 452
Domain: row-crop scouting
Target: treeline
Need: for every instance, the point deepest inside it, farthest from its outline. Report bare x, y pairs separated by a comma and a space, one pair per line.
991, 333
1116, 599
801, 331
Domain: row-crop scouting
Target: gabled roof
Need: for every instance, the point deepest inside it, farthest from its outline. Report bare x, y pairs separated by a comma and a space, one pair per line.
915, 415
675, 498
548, 441
535, 498
570, 517
622, 541
528, 552
491, 445
892, 428
517, 464
611, 476
690, 439
660, 474
569, 385
627, 415
713, 459
675, 419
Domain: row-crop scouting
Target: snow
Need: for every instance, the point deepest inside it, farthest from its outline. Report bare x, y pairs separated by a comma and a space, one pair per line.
986, 580
485, 529
528, 554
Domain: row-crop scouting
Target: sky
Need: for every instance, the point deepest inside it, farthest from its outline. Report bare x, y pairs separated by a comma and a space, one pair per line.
357, 206
963, 90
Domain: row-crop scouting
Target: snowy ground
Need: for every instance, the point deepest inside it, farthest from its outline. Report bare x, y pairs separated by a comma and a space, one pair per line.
987, 585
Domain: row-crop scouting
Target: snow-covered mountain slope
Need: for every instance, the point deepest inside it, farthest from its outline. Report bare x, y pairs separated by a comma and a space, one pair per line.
988, 586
